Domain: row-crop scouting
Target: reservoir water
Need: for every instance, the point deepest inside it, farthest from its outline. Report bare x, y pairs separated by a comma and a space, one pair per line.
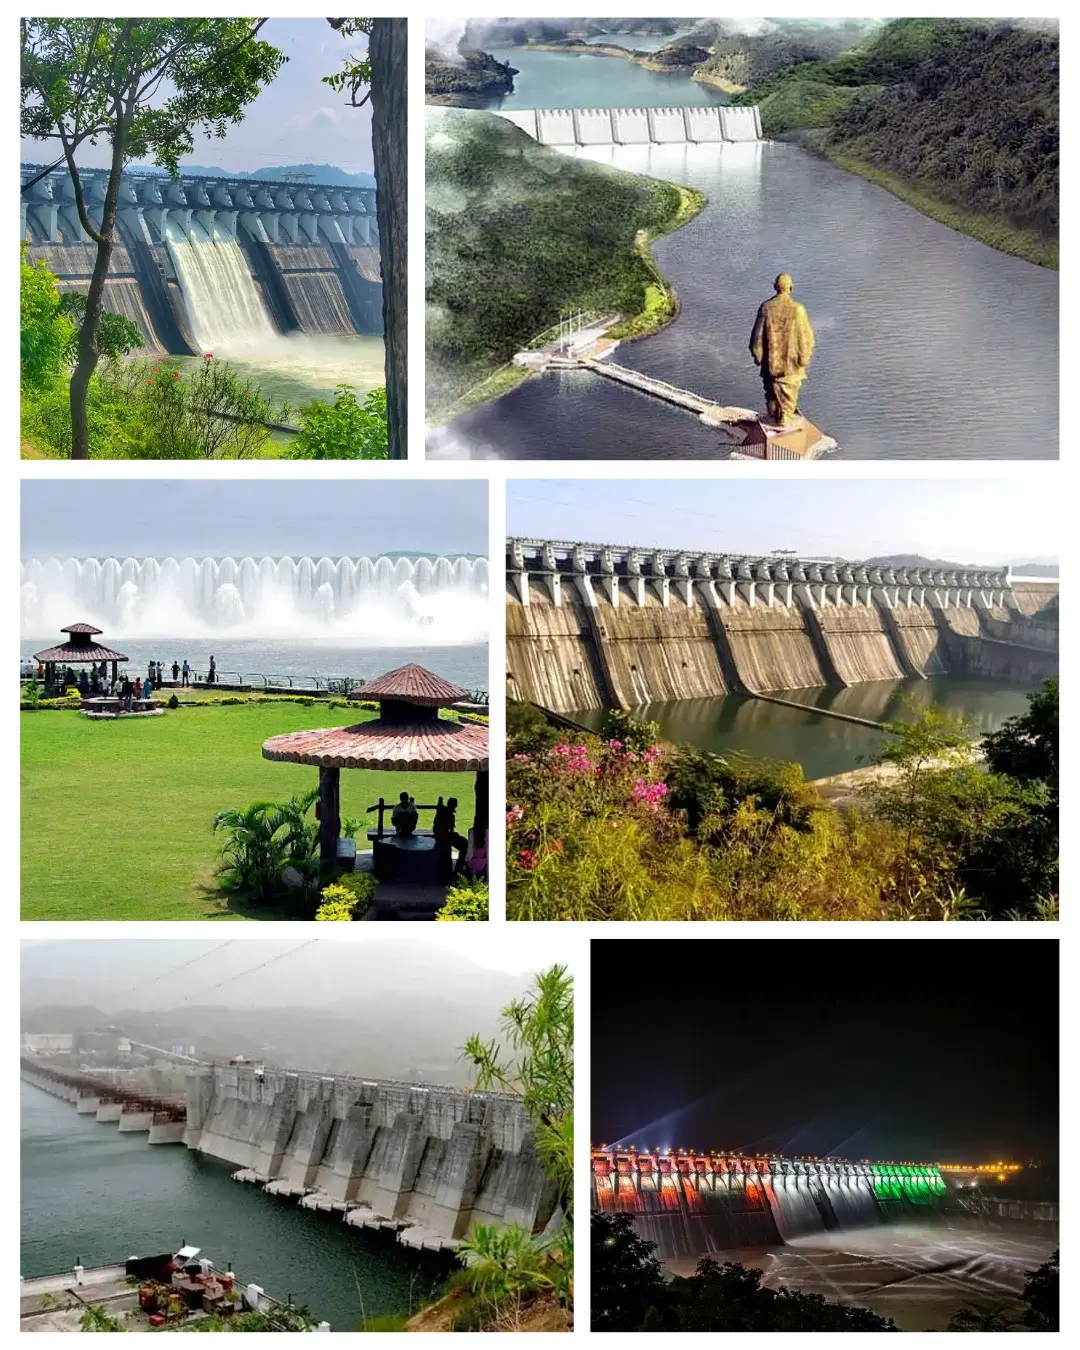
577, 80
824, 745
930, 345
92, 1194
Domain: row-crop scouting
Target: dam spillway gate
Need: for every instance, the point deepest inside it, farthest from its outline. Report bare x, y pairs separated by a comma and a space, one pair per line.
691, 1205
306, 255
591, 626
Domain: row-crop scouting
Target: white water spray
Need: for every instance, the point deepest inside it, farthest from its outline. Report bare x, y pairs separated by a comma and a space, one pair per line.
380, 602
223, 302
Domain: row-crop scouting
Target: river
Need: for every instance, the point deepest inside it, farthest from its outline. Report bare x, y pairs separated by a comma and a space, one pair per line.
930, 345
306, 660
93, 1195
917, 1274
824, 745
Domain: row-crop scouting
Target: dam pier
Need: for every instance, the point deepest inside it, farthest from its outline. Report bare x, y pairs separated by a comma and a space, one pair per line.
424, 1162
594, 626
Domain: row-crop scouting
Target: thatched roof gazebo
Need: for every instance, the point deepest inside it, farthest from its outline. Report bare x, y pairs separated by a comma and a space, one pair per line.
407, 736
80, 649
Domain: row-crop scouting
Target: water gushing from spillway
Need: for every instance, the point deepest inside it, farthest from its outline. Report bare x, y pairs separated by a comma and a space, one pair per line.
369, 602
223, 302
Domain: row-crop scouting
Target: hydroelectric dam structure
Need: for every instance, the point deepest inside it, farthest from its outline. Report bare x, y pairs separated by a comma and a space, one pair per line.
424, 1162
637, 126
592, 626
693, 1204
199, 259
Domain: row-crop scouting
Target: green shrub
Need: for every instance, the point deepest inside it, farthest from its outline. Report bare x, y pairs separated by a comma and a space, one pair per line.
263, 840
631, 731
347, 898
174, 702
344, 429
468, 902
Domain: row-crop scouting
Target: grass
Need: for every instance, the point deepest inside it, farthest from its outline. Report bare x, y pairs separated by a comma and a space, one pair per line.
116, 816
660, 301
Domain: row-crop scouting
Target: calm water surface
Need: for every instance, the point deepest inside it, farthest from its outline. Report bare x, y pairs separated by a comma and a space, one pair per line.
91, 1193
824, 745
929, 345
577, 80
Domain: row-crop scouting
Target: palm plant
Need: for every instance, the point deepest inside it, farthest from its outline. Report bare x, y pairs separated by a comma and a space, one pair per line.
262, 840
503, 1263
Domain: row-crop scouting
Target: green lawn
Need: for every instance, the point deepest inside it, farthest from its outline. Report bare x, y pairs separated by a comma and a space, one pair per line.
116, 816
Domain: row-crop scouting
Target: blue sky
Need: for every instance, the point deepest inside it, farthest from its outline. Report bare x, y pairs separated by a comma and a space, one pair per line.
295, 120
332, 517
980, 520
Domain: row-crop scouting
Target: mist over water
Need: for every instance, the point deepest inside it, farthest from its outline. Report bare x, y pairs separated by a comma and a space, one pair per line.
353, 602
230, 321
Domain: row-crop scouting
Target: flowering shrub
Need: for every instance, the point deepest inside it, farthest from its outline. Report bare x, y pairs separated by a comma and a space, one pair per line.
627, 828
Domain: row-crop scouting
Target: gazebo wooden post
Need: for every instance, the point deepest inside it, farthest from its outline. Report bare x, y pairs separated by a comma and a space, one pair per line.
480, 819
329, 814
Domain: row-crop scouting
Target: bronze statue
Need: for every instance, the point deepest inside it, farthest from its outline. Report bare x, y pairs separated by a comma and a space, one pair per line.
782, 344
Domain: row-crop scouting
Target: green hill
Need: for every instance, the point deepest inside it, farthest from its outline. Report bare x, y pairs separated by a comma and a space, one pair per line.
517, 234
959, 117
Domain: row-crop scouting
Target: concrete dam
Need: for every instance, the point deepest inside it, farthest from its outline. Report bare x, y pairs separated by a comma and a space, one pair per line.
426, 1163
691, 1205
200, 260
637, 126
591, 626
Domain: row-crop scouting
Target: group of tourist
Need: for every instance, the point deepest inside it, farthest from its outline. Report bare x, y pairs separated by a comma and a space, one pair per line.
404, 818
95, 683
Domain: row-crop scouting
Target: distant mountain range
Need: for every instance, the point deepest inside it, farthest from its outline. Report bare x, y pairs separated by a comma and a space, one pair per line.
1048, 570
325, 174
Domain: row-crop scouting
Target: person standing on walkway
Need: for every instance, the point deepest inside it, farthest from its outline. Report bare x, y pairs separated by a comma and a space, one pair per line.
211, 674
187, 675
175, 671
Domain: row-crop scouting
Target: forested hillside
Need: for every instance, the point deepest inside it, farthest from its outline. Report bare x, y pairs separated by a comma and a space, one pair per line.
516, 233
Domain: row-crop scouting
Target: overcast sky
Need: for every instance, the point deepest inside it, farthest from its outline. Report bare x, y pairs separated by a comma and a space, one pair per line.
977, 521
167, 973
295, 120
333, 518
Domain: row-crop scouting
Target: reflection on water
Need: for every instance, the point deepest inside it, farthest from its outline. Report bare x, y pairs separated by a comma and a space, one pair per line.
295, 368
576, 80
917, 1275
907, 315
92, 1194
823, 745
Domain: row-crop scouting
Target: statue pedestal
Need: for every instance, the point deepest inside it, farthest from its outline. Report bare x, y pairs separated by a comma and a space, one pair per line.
752, 437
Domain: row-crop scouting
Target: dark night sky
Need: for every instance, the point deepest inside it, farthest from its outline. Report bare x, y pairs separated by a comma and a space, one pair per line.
903, 1049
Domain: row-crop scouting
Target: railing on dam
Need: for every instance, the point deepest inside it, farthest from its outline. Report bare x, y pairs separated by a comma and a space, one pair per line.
636, 572
270, 212
637, 126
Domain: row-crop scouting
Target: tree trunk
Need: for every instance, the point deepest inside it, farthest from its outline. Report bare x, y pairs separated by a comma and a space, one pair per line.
88, 346
389, 136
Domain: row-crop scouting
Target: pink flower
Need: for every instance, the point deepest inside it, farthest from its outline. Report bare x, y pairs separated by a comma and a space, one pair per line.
515, 813
209, 356
521, 759
560, 750
615, 745
650, 794
653, 754
527, 859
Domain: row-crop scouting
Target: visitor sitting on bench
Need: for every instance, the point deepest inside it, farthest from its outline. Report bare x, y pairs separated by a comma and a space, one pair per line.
444, 831
404, 816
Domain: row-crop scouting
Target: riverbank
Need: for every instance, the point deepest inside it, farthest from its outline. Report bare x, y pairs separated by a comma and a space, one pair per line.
996, 233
